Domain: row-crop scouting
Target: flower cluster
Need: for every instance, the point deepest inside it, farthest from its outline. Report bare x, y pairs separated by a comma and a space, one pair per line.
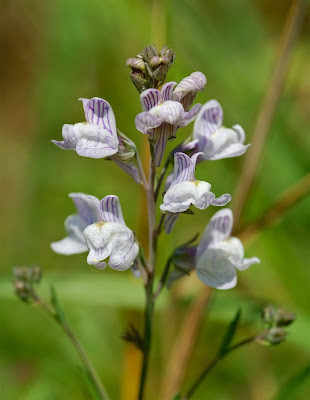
99, 225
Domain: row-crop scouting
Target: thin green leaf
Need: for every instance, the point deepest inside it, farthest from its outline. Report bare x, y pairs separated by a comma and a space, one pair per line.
90, 384
290, 389
60, 316
177, 397
230, 333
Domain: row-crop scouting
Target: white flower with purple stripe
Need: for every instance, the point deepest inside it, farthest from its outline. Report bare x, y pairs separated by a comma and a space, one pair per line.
75, 242
110, 237
185, 190
97, 137
215, 141
219, 255
165, 111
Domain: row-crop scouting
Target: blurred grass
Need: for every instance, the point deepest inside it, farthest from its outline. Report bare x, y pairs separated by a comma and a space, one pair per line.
62, 50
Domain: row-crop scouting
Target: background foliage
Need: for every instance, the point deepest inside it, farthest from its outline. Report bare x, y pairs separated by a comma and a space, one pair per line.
54, 53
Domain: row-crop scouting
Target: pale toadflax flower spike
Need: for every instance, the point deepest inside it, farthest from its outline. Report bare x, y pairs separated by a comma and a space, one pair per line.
95, 138
219, 255
75, 242
110, 237
185, 190
165, 111
215, 141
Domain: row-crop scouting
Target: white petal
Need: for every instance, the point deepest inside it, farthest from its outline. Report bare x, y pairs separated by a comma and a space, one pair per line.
69, 246
96, 142
75, 242
71, 135
224, 143
111, 239
180, 196
169, 111
214, 269
247, 262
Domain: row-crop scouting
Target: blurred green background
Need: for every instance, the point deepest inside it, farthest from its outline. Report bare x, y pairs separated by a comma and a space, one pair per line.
57, 51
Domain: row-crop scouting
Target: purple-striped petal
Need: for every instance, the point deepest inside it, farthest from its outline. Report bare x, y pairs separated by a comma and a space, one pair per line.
207, 122
159, 137
167, 91
194, 83
150, 98
186, 90
218, 229
184, 168
190, 115
99, 112
146, 121
170, 220
86, 206
109, 210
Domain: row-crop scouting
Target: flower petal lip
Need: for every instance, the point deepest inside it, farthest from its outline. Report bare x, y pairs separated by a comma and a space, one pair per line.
225, 143
74, 243
111, 239
215, 270
219, 255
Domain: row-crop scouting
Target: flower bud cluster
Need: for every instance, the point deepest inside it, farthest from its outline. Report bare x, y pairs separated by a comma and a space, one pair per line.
149, 68
25, 279
275, 320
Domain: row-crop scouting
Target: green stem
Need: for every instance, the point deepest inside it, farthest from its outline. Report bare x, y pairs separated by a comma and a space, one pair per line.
213, 363
163, 279
77, 346
149, 305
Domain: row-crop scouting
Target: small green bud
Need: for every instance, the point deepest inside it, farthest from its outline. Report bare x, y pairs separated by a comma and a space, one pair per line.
272, 337
35, 274
23, 290
285, 317
269, 316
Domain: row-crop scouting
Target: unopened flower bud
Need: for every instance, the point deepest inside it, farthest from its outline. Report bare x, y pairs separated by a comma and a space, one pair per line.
269, 316
150, 67
285, 318
35, 274
136, 63
23, 290
20, 273
272, 337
